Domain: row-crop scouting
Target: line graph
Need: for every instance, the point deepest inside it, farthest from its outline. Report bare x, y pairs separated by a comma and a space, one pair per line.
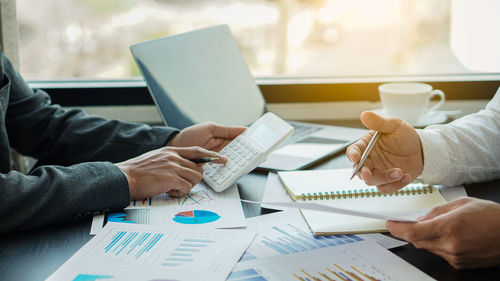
195, 198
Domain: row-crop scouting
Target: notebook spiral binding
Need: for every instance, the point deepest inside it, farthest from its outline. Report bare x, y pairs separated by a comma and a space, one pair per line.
367, 193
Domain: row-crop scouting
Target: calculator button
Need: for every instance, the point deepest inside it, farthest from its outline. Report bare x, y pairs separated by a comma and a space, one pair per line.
237, 158
223, 178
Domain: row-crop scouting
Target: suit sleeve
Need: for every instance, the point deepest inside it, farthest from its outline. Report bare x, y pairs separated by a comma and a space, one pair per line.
37, 128
75, 175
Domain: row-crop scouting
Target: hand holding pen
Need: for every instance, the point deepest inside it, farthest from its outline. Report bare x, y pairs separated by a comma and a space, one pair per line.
395, 155
367, 151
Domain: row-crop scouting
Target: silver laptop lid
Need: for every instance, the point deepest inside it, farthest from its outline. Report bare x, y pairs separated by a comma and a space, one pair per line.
199, 76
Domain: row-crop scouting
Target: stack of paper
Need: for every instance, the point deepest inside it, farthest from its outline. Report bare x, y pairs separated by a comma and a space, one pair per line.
165, 238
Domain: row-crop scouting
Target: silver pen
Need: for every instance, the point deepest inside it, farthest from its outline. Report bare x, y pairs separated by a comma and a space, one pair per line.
367, 151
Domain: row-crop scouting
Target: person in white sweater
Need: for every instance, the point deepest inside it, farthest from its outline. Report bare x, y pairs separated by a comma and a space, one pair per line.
466, 231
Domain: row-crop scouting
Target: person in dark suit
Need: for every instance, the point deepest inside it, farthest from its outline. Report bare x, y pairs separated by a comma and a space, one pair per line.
88, 165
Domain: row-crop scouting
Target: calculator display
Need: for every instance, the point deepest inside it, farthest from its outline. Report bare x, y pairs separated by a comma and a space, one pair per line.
264, 135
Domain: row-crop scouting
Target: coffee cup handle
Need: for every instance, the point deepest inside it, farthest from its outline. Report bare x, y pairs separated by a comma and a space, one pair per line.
440, 103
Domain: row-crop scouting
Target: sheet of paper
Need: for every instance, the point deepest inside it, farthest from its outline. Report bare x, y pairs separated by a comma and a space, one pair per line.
149, 252
406, 216
286, 232
275, 192
451, 193
201, 207
365, 260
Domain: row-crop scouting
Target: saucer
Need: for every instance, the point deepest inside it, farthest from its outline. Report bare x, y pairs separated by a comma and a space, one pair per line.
432, 117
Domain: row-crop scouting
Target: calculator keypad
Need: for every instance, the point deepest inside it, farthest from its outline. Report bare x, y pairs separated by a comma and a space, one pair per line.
238, 152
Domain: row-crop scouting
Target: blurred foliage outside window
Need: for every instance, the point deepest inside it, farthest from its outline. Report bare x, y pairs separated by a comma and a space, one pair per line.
90, 39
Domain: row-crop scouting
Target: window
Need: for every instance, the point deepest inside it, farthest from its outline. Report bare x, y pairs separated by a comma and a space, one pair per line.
66, 39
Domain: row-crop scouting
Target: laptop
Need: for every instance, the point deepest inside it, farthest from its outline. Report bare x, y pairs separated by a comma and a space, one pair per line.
201, 76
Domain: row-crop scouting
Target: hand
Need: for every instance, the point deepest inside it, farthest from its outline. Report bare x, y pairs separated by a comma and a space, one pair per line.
165, 170
396, 159
465, 232
210, 136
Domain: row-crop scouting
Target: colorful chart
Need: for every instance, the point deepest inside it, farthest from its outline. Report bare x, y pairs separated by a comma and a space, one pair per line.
86, 277
195, 198
130, 216
196, 217
336, 272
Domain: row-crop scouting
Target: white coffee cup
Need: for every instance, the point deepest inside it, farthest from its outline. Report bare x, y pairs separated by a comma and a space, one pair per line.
408, 101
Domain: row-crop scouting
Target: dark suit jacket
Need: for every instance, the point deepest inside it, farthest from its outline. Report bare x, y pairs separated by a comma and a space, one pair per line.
74, 176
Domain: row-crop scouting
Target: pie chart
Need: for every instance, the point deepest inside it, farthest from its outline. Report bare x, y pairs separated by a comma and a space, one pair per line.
196, 217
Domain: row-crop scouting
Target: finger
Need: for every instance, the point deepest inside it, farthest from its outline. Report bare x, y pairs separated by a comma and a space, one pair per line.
198, 152
353, 153
437, 246
365, 174
444, 208
184, 189
381, 178
180, 187
175, 193
396, 185
378, 123
178, 161
226, 132
414, 231
434, 245
355, 150
190, 175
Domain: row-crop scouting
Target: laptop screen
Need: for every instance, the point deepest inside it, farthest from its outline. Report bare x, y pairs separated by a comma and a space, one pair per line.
199, 76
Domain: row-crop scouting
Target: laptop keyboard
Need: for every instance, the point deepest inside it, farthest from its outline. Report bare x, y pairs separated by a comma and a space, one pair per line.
301, 131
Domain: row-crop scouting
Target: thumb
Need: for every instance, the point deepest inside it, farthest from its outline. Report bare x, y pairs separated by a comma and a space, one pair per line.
384, 125
227, 132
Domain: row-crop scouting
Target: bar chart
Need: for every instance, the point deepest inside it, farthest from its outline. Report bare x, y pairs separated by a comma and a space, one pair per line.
189, 251
250, 274
132, 244
335, 272
186, 252
288, 239
362, 261
127, 251
140, 215
141, 203
91, 277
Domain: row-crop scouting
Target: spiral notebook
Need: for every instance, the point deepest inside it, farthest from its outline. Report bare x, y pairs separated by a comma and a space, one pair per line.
333, 188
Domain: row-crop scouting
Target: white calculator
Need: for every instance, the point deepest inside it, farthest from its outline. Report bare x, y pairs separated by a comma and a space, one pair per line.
247, 151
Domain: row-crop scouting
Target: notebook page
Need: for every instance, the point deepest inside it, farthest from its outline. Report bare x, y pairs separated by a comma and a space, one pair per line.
322, 223
315, 181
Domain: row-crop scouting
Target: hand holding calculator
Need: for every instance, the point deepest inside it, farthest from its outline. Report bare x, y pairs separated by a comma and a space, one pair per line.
247, 151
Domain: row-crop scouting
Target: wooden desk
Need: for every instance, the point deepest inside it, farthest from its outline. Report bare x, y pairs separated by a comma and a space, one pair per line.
35, 254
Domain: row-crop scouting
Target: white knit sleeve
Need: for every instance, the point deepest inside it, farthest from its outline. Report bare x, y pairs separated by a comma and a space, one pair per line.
464, 151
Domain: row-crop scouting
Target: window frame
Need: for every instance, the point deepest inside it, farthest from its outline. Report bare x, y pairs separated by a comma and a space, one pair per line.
274, 89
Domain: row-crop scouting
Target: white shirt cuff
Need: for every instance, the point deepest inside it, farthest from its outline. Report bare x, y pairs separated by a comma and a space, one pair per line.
437, 162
